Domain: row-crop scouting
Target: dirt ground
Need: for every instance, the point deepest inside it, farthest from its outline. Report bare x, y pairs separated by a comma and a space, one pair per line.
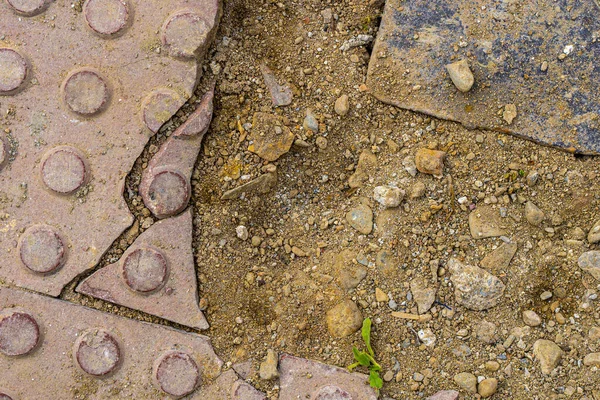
259, 295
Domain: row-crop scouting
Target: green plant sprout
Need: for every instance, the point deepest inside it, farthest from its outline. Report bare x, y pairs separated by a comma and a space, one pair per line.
367, 358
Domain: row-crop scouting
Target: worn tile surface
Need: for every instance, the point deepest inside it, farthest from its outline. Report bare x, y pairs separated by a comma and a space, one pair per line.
306, 379
538, 56
122, 356
81, 93
155, 275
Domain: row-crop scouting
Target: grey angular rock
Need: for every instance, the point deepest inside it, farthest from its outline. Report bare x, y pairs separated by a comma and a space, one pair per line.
474, 287
590, 263
548, 353
361, 219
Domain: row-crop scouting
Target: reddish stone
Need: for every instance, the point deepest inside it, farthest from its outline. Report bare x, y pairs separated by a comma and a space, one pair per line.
306, 379
445, 395
185, 33
81, 82
244, 391
54, 366
165, 186
175, 299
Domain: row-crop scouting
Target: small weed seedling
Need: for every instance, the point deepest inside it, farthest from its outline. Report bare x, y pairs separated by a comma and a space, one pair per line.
367, 358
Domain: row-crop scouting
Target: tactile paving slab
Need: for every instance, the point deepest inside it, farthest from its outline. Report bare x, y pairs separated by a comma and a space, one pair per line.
166, 186
155, 275
538, 57
81, 92
49, 346
306, 379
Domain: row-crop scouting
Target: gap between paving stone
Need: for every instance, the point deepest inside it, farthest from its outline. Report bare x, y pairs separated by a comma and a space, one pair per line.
68, 293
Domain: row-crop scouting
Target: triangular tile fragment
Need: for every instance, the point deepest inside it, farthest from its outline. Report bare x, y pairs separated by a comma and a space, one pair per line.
155, 275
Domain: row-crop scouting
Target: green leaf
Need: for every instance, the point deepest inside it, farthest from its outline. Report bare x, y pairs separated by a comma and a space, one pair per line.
366, 334
362, 358
375, 380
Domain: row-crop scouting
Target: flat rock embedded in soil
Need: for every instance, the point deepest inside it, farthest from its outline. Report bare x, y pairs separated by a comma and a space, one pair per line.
307, 379
268, 368
155, 275
261, 185
367, 162
344, 319
130, 349
466, 381
347, 271
361, 219
594, 233
499, 259
423, 295
590, 263
533, 214
269, 138
548, 354
82, 119
474, 287
485, 222
432, 34
430, 162
281, 95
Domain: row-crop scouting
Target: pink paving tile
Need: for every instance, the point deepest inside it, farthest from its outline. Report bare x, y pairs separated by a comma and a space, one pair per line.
165, 186
155, 275
51, 346
306, 379
81, 94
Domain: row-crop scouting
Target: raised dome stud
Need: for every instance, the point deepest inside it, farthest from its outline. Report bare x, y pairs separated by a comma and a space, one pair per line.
97, 352
13, 71
28, 8
145, 270
19, 333
106, 17
41, 249
85, 92
176, 373
64, 170
168, 193
184, 34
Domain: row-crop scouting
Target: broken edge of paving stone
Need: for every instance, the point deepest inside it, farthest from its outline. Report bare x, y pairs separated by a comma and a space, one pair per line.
62, 220
306, 379
407, 68
156, 274
61, 356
